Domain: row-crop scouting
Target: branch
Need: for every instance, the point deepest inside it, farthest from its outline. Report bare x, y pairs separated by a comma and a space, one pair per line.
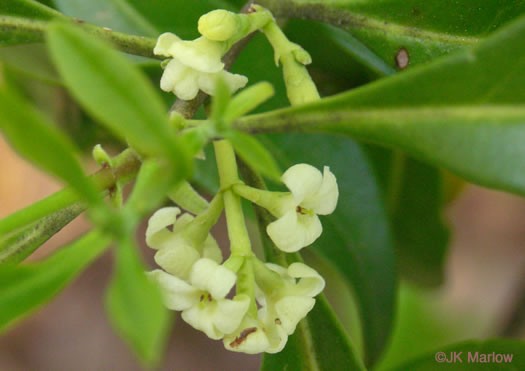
127, 166
22, 30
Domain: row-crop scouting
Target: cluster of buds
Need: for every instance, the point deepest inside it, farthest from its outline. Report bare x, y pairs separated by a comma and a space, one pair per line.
197, 282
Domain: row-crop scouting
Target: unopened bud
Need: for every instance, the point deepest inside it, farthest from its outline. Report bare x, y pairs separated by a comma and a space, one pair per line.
218, 25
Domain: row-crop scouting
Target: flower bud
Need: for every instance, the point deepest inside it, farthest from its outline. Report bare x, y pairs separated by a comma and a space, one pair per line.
218, 25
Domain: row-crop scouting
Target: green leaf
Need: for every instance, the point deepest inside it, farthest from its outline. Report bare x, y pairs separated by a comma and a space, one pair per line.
24, 288
150, 189
37, 140
139, 17
415, 196
22, 21
426, 321
27, 9
425, 29
254, 154
32, 60
475, 356
319, 343
116, 14
248, 99
135, 307
356, 238
116, 93
17, 246
464, 112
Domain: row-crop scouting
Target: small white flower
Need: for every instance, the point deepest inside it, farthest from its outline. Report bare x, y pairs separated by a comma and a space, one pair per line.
250, 337
195, 66
176, 253
283, 307
313, 193
203, 300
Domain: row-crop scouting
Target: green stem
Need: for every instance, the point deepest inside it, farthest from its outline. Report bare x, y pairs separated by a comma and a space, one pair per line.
227, 166
126, 167
22, 30
200, 227
188, 198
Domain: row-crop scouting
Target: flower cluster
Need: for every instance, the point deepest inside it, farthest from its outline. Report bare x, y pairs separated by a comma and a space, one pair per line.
194, 65
250, 305
197, 282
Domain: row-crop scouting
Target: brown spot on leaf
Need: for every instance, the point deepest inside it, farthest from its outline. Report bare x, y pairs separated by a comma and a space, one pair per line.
402, 59
242, 336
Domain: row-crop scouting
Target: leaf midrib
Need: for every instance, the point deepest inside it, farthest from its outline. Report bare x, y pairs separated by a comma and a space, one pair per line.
280, 120
349, 20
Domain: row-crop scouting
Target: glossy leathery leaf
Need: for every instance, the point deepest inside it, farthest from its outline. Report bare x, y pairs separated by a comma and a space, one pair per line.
405, 33
464, 112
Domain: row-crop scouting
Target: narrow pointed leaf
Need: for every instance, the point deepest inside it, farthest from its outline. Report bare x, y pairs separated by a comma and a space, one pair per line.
255, 154
24, 288
115, 92
17, 246
135, 306
37, 140
464, 112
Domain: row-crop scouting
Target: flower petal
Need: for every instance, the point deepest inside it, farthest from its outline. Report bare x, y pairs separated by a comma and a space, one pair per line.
173, 73
177, 258
303, 181
233, 80
177, 294
157, 233
207, 275
293, 231
201, 54
310, 284
201, 318
164, 42
328, 194
187, 88
249, 338
291, 309
277, 336
229, 313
